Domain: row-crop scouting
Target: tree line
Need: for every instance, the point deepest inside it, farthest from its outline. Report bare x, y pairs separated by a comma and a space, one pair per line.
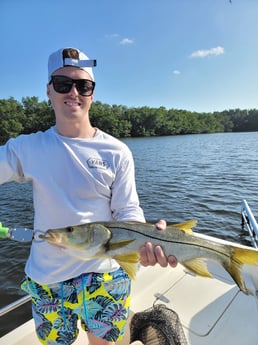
31, 115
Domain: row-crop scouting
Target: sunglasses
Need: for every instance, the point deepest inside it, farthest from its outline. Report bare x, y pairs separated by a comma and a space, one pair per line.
63, 84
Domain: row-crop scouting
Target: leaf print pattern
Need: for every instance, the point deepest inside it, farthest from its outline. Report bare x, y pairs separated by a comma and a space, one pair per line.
67, 320
96, 282
33, 288
110, 310
46, 306
101, 301
67, 290
65, 338
118, 288
98, 328
93, 308
105, 330
115, 312
43, 328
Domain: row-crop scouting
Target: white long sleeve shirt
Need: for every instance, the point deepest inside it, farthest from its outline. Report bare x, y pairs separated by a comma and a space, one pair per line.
75, 181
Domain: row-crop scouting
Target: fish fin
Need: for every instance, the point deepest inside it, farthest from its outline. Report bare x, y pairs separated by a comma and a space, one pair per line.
197, 266
129, 263
186, 226
248, 256
235, 271
117, 245
241, 256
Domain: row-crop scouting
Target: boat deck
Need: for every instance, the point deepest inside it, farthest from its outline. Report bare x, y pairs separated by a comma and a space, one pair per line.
212, 311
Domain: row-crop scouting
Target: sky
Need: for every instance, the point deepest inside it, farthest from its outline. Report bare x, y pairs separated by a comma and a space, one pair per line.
196, 55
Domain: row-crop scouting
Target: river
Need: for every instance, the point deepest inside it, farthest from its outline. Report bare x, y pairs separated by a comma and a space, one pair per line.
202, 177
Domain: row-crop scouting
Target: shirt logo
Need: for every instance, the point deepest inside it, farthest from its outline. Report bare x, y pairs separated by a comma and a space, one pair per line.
97, 163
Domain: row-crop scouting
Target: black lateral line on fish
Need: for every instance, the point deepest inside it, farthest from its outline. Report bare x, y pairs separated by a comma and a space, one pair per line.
149, 236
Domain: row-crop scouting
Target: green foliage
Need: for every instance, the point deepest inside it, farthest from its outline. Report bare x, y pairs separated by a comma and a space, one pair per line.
30, 115
38, 116
11, 119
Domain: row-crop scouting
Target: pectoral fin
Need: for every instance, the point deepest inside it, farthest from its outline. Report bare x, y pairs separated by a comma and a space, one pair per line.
129, 263
117, 245
197, 266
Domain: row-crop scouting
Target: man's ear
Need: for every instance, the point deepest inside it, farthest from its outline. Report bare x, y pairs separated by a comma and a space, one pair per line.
48, 90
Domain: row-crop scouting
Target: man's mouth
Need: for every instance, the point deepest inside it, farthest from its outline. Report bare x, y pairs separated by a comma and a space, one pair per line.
72, 104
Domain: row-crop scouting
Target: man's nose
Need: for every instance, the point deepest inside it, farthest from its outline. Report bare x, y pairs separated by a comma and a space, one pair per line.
74, 89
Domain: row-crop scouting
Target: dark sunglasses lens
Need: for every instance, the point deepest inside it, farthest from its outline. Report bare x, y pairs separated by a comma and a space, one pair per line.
85, 87
62, 84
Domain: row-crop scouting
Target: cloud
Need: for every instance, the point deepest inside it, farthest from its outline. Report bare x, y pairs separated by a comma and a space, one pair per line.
176, 72
115, 37
126, 41
112, 36
203, 53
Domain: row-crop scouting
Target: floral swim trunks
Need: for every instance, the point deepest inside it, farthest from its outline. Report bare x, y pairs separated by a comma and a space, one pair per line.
100, 300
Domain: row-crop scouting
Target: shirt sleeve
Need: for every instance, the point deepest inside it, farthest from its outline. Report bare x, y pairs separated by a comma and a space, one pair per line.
10, 165
125, 204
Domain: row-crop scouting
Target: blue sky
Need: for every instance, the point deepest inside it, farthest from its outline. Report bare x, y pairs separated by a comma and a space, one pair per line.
199, 55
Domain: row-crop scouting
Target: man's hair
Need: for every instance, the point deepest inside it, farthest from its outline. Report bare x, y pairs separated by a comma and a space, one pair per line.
70, 53
70, 57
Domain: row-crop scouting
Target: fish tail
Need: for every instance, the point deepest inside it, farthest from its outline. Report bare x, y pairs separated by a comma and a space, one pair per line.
239, 257
248, 256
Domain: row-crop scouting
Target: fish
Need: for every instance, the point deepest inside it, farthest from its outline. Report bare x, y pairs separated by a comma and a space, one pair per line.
122, 241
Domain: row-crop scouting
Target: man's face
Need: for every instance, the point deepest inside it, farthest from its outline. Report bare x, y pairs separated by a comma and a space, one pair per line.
71, 105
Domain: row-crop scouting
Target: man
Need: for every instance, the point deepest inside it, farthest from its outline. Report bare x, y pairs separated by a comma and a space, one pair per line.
79, 174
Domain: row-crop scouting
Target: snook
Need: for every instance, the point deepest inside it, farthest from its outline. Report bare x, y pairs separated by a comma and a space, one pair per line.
122, 241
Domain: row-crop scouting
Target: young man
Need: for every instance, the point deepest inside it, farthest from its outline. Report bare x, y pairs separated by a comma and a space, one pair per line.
80, 174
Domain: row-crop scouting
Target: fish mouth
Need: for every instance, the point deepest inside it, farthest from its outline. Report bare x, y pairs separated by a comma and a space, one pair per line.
52, 237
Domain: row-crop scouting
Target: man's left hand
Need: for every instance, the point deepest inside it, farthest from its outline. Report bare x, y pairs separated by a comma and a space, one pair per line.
150, 255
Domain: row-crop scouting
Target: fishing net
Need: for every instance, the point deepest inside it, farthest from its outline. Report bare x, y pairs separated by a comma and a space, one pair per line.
158, 325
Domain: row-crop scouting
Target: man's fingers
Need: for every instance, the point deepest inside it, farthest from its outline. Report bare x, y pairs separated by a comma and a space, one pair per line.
172, 260
161, 224
161, 258
148, 257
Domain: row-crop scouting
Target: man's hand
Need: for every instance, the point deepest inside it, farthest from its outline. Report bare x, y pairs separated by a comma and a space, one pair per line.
151, 255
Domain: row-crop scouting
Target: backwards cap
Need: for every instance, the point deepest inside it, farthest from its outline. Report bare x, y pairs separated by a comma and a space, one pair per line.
57, 61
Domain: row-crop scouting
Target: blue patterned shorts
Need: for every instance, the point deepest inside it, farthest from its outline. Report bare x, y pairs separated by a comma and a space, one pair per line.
100, 300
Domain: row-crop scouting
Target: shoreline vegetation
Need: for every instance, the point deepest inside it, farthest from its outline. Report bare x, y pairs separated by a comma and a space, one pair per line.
31, 115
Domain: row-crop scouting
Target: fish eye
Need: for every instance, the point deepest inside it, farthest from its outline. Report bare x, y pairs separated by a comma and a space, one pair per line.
70, 229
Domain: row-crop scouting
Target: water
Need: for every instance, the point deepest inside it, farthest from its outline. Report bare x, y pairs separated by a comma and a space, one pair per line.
204, 177
201, 177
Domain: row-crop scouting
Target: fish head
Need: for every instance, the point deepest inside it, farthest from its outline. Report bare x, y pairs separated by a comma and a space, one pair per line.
80, 237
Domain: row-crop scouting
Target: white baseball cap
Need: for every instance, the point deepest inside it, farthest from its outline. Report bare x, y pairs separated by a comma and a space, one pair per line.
56, 61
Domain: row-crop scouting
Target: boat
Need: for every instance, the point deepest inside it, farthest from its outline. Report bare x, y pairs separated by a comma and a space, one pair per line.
195, 310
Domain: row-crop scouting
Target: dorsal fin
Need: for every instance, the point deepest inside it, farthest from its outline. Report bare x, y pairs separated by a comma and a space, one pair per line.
185, 226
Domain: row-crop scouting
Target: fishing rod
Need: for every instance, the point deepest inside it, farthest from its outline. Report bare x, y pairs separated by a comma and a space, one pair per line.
17, 234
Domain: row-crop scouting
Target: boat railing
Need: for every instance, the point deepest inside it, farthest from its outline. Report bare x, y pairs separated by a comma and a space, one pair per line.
249, 223
16, 304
